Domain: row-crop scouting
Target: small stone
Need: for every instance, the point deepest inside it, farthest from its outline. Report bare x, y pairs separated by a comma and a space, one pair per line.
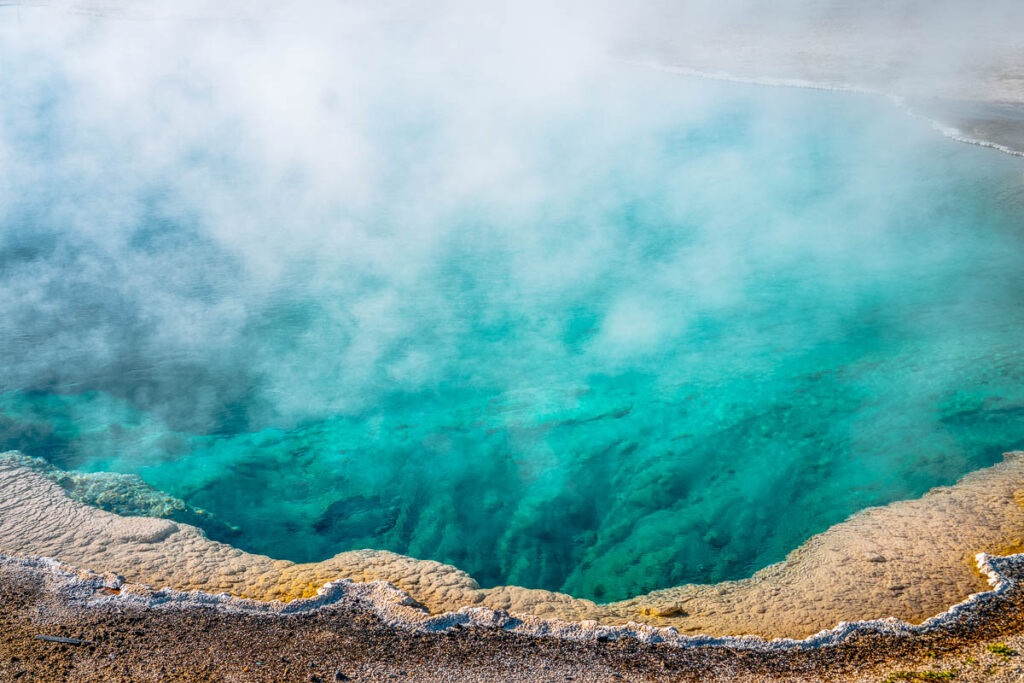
662, 611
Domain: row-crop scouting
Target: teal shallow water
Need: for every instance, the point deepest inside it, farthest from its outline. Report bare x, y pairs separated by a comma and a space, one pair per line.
661, 332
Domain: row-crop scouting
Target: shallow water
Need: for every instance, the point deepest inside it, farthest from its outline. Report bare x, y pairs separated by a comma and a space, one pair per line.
659, 333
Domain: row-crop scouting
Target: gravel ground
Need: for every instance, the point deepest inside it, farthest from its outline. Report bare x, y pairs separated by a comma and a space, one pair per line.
134, 644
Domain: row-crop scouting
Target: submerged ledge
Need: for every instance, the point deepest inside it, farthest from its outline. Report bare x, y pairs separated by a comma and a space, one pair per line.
909, 561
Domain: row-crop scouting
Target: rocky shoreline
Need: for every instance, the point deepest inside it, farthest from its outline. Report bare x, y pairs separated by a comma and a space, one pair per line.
60, 624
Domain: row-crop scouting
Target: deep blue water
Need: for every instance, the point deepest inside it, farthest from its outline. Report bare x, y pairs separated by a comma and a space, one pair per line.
661, 331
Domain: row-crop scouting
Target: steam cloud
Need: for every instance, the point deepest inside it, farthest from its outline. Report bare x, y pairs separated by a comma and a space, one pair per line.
175, 183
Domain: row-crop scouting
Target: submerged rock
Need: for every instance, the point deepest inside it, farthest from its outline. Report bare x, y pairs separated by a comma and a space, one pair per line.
357, 517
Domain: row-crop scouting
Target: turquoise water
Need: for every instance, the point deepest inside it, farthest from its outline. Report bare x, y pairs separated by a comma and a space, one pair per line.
659, 331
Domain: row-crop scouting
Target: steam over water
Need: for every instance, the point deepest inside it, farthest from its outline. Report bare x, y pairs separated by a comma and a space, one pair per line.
602, 332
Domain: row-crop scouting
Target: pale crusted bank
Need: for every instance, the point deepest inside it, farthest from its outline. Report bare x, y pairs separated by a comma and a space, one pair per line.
910, 560
960, 66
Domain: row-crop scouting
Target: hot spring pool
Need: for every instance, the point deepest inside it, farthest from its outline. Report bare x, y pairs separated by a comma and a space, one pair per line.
657, 331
